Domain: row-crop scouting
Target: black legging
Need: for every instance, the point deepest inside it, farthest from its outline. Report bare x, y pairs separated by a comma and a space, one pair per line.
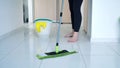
76, 16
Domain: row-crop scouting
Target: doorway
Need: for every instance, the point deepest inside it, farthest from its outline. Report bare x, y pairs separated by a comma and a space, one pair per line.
25, 11
50, 9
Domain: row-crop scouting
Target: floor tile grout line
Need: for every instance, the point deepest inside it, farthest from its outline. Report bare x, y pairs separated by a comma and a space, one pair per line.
40, 63
74, 47
19, 44
114, 50
83, 57
47, 46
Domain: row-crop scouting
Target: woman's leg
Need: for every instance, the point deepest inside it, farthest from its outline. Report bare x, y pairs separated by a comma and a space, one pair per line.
77, 14
72, 18
72, 12
77, 19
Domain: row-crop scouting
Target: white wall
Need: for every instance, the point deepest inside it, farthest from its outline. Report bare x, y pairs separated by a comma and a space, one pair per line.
105, 14
11, 15
30, 11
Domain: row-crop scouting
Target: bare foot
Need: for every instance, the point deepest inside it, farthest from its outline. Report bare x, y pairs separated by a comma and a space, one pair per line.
74, 38
69, 35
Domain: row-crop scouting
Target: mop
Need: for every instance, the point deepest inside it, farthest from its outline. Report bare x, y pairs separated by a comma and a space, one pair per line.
57, 52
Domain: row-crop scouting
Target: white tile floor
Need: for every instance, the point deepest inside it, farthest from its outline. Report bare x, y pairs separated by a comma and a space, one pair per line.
19, 49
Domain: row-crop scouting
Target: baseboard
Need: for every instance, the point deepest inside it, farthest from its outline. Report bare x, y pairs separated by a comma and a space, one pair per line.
116, 40
11, 32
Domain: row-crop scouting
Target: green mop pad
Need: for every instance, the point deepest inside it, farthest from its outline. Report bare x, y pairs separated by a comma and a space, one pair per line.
55, 55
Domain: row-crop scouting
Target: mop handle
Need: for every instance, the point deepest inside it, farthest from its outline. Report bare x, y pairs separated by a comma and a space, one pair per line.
60, 21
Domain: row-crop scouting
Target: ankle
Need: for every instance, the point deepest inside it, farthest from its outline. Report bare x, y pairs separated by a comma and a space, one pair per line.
75, 34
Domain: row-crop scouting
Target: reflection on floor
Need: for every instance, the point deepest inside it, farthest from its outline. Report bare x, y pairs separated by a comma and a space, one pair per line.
19, 49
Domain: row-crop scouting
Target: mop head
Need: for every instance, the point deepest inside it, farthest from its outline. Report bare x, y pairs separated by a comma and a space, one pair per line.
55, 55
